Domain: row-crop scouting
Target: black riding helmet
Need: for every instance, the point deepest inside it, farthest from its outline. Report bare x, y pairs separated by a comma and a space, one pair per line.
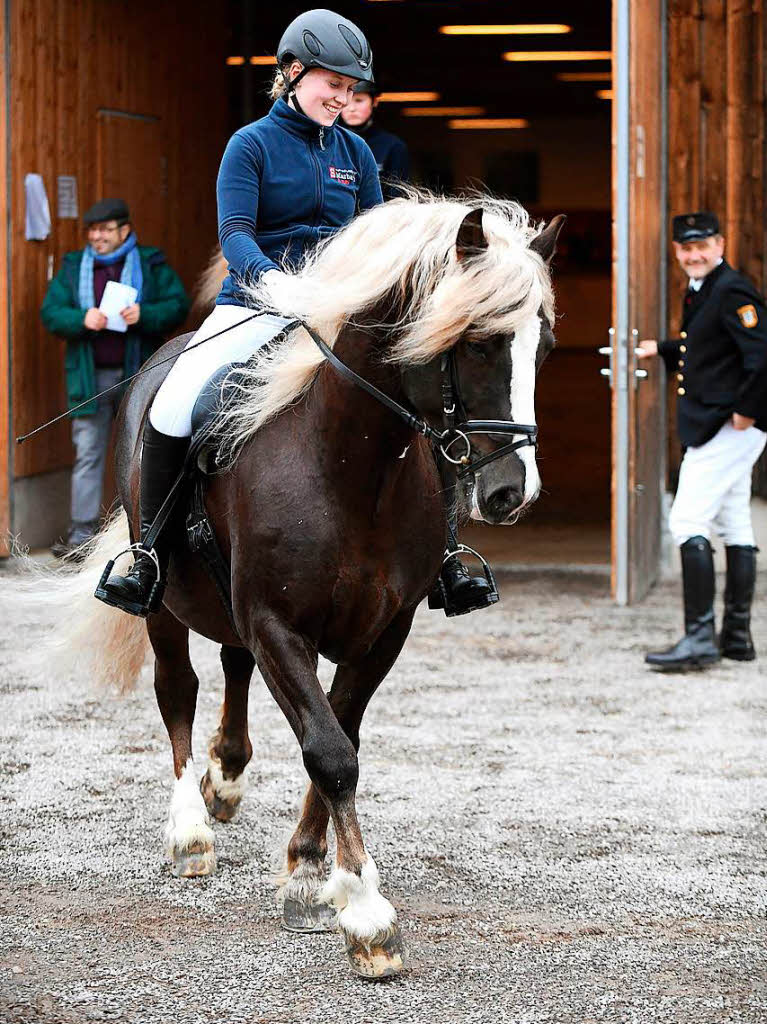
323, 39
368, 88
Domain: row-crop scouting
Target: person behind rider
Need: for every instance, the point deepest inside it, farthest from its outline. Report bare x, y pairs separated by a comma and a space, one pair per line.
389, 149
279, 192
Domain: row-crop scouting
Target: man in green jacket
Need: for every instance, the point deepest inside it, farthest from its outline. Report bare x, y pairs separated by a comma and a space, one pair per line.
98, 356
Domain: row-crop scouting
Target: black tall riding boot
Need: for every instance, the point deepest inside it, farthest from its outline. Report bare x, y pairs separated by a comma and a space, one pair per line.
140, 590
458, 592
698, 647
735, 639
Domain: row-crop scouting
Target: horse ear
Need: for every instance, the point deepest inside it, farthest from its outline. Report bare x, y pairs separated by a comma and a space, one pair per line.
471, 236
545, 244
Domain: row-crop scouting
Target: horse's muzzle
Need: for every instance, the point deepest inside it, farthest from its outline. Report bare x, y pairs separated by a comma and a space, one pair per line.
499, 497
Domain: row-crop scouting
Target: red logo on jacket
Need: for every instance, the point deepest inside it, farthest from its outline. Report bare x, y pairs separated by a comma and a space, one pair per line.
343, 174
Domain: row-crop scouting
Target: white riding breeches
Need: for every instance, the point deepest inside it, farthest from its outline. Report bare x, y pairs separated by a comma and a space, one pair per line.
171, 411
714, 491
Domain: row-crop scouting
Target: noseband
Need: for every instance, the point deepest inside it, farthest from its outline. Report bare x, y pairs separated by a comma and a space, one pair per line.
456, 427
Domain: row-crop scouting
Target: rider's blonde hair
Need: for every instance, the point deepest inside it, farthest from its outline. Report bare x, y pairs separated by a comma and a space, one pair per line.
279, 87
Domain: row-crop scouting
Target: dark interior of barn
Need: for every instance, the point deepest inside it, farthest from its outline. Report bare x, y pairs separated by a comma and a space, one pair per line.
440, 82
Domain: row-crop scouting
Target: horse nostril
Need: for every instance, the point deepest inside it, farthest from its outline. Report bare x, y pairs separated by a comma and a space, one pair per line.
505, 500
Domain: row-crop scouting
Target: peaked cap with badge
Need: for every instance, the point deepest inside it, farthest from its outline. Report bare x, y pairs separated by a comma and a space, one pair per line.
689, 226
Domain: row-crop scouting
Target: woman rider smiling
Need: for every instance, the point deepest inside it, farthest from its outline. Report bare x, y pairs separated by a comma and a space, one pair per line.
276, 198
285, 182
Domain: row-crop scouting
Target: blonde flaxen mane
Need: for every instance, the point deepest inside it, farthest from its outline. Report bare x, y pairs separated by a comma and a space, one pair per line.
405, 248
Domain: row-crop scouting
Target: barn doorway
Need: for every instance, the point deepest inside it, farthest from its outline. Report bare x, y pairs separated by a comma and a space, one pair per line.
445, 87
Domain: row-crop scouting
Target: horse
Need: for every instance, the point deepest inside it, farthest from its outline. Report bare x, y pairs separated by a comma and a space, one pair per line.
329, 509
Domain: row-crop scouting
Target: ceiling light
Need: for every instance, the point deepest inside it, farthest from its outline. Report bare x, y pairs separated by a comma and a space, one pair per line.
505, 30
605, 94
263, 61
409, 97
585, 76
441, 111
489, 123
531, 55
235, 61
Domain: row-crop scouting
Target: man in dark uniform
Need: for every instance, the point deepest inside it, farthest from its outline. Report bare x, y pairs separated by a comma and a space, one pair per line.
719, 363
389, 150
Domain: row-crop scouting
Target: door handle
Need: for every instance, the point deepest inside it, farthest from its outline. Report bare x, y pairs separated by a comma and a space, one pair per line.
637, 374
607, 350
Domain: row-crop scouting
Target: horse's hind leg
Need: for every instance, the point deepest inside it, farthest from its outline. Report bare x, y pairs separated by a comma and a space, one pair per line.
188, 835
230, 749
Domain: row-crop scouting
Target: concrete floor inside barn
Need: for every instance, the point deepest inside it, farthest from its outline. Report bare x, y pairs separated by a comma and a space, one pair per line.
567, 837
579, 546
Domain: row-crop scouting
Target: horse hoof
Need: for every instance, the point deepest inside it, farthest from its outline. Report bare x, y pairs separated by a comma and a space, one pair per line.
194, 862
301, 916
376, 960
218, 808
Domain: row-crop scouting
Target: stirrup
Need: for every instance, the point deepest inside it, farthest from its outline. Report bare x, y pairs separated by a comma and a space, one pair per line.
439, 597
154, 599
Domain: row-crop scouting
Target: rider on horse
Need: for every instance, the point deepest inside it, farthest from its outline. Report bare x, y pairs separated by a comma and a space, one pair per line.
286, 182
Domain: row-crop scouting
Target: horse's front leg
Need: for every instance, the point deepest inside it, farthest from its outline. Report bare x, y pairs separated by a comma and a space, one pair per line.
367, 920
229, 751
188, 835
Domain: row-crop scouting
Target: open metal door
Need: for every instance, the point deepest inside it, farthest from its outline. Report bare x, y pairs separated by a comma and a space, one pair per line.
639, 293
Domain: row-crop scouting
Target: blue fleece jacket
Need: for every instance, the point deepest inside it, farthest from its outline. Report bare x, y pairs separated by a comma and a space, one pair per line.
284, 183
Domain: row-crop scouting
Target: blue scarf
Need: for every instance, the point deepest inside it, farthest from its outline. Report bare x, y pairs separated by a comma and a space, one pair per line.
131, 273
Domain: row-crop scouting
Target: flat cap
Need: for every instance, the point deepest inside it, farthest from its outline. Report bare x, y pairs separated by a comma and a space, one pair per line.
688, 226
107, 209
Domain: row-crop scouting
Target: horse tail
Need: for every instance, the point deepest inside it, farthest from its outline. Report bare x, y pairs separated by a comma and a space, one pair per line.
209, 282
86, 636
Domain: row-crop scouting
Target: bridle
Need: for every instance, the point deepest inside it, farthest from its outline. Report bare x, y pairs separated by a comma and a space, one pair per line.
457, 428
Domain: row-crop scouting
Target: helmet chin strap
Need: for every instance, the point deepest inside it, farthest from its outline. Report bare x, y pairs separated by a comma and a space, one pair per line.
293, 98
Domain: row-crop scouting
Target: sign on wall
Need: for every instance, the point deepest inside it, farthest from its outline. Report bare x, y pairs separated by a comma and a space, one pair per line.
66, 197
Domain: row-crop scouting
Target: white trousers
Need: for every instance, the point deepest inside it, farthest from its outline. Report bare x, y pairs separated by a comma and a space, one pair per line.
714, 490
171, 411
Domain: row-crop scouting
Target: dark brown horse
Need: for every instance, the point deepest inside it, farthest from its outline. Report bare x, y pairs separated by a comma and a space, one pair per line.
332, 519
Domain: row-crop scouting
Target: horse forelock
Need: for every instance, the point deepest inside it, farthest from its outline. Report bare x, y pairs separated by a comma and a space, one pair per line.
404, 249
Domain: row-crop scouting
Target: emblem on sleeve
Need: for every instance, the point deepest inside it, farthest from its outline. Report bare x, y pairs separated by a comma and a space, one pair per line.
748, 315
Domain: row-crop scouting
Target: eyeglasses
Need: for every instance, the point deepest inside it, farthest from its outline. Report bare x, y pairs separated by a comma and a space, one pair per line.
103, 229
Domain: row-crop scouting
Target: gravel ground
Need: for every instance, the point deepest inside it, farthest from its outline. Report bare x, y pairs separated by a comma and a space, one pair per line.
566, 836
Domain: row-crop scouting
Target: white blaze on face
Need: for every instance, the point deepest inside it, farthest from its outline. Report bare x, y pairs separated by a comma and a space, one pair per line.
524, 348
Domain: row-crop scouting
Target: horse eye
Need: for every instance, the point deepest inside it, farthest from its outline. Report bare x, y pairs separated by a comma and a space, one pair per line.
477, 348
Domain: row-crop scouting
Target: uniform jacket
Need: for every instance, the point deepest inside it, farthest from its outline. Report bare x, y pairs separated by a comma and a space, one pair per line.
719, 362
164, 305
391, 156
285, 182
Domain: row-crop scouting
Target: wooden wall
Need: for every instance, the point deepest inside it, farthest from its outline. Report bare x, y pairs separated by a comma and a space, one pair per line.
5, 522
716, 133
70, 59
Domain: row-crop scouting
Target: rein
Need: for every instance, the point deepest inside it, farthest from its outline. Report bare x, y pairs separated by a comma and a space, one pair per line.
454, 429
442, 440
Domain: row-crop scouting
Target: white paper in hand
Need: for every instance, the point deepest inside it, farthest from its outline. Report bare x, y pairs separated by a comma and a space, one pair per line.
114, 300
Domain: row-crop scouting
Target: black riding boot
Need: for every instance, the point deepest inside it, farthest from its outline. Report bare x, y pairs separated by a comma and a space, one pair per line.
140, 590
697, 648
735, 639
458, 592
